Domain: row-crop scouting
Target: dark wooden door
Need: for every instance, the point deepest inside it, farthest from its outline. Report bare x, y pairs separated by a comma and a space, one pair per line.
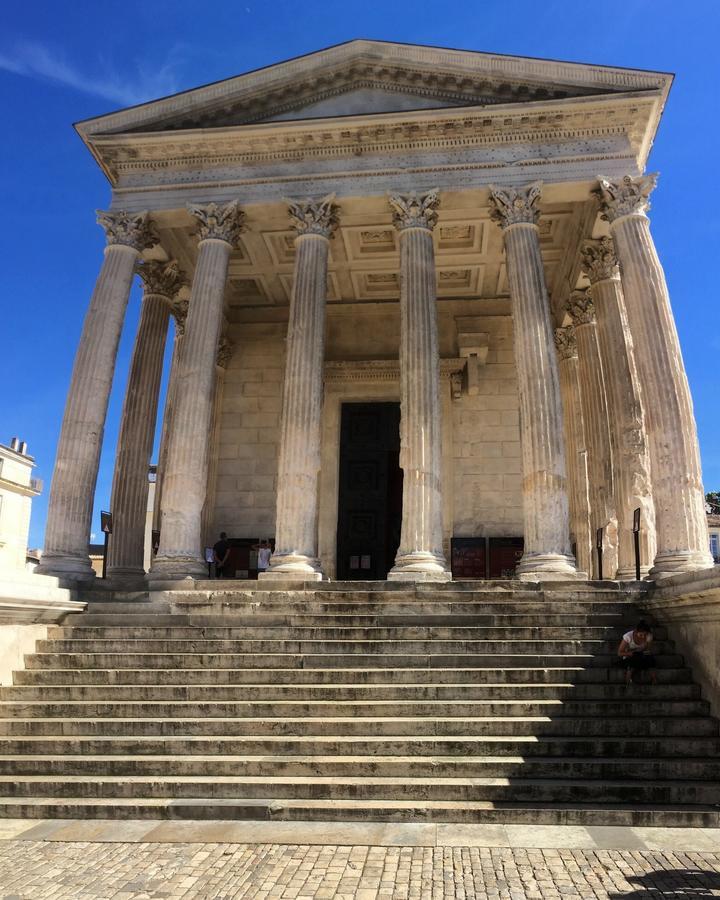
370, 497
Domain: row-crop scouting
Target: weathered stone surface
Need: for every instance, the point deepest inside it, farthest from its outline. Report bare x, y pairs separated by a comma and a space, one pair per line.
420, 554
546, 511
596, 426
185, 477
78, 455
681, 526
628, 435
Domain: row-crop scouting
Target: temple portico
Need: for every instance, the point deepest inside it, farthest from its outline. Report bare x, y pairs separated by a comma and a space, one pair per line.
432, 363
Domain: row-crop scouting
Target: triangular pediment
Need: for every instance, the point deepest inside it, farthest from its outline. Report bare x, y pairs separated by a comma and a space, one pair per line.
372, 77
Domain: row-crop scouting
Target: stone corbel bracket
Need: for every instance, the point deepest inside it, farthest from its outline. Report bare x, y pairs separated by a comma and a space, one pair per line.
473, 344
337, 371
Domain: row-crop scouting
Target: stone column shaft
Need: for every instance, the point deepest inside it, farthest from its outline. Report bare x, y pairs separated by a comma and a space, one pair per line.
78, 454
681, 524
185, 478
575, 451
631, 463
546, 512
296, 540
129, 497
208, 515
591, 378
420, 554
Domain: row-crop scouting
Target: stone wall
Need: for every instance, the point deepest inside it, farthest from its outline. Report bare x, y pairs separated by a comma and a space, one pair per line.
484, 468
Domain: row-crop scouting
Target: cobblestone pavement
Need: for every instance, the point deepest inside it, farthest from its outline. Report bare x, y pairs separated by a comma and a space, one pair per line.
35, 870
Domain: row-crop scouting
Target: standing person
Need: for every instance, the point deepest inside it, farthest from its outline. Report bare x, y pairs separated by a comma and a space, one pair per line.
635, 655
221, 551
264, 553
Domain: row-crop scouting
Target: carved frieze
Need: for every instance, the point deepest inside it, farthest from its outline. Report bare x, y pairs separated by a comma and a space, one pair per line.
219, 223
314, 216
415, 210
629, 197
514, 206
129, 229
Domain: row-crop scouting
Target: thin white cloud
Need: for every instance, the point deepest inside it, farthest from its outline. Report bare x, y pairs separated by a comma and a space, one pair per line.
35, 60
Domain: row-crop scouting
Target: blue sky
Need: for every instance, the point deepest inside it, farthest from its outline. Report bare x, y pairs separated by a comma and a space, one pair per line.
62, 62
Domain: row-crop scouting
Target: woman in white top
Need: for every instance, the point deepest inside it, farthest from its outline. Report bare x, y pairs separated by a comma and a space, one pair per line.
635, 653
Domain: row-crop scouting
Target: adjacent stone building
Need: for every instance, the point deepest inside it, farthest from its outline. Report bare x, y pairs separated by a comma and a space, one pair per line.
402, 340
17, 489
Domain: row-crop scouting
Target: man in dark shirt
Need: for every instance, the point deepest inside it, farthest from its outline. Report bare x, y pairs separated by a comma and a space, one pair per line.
221, 551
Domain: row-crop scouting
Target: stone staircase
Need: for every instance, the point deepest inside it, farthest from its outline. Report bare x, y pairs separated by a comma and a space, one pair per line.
484, 702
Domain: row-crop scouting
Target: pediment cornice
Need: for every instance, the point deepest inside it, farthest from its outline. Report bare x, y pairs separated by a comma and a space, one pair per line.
551, 122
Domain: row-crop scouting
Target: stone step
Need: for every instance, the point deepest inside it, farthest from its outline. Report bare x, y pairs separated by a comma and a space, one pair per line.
57, 737
135, 660
429, 767
343, 646
204, 684
496, 726
585, 814
108, 706
301, 632
515, 789
575, 675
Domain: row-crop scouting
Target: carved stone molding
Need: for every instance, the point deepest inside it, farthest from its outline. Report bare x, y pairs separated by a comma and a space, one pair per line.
226, 348
129, 229
415, 210
219, 223
179, 310
629, 197
338, 371
314, 216
580, 308
599, 261
515, 206
160, 277
565, 342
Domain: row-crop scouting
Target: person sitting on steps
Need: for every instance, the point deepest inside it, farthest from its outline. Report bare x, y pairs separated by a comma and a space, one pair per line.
635, 654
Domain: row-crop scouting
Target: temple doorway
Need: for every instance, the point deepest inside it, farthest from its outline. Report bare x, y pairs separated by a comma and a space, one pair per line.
370, 496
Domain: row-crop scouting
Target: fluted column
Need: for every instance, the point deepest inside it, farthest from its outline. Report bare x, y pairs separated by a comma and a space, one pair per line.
547, 540
680, 521
179, 312
296, 541
420, 555
575, 450
67, 532
185, 478
597, 430
224, 354
128, 502
631, 462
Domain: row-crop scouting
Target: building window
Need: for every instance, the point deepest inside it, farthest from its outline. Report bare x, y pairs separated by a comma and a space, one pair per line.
715, 547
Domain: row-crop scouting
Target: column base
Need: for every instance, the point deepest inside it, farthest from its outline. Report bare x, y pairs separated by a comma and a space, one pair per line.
628, 574
547, 567
292, 567
673, 563
125, 574
420, 565
176, 568
60, 565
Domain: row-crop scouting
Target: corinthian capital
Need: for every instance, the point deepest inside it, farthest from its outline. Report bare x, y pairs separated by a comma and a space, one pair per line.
415, 210
226, 348
129, 229
598, 260
164, 278
580, 308
219, 223
512, 206
314, 216
628, 197
565, 342
179, 310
